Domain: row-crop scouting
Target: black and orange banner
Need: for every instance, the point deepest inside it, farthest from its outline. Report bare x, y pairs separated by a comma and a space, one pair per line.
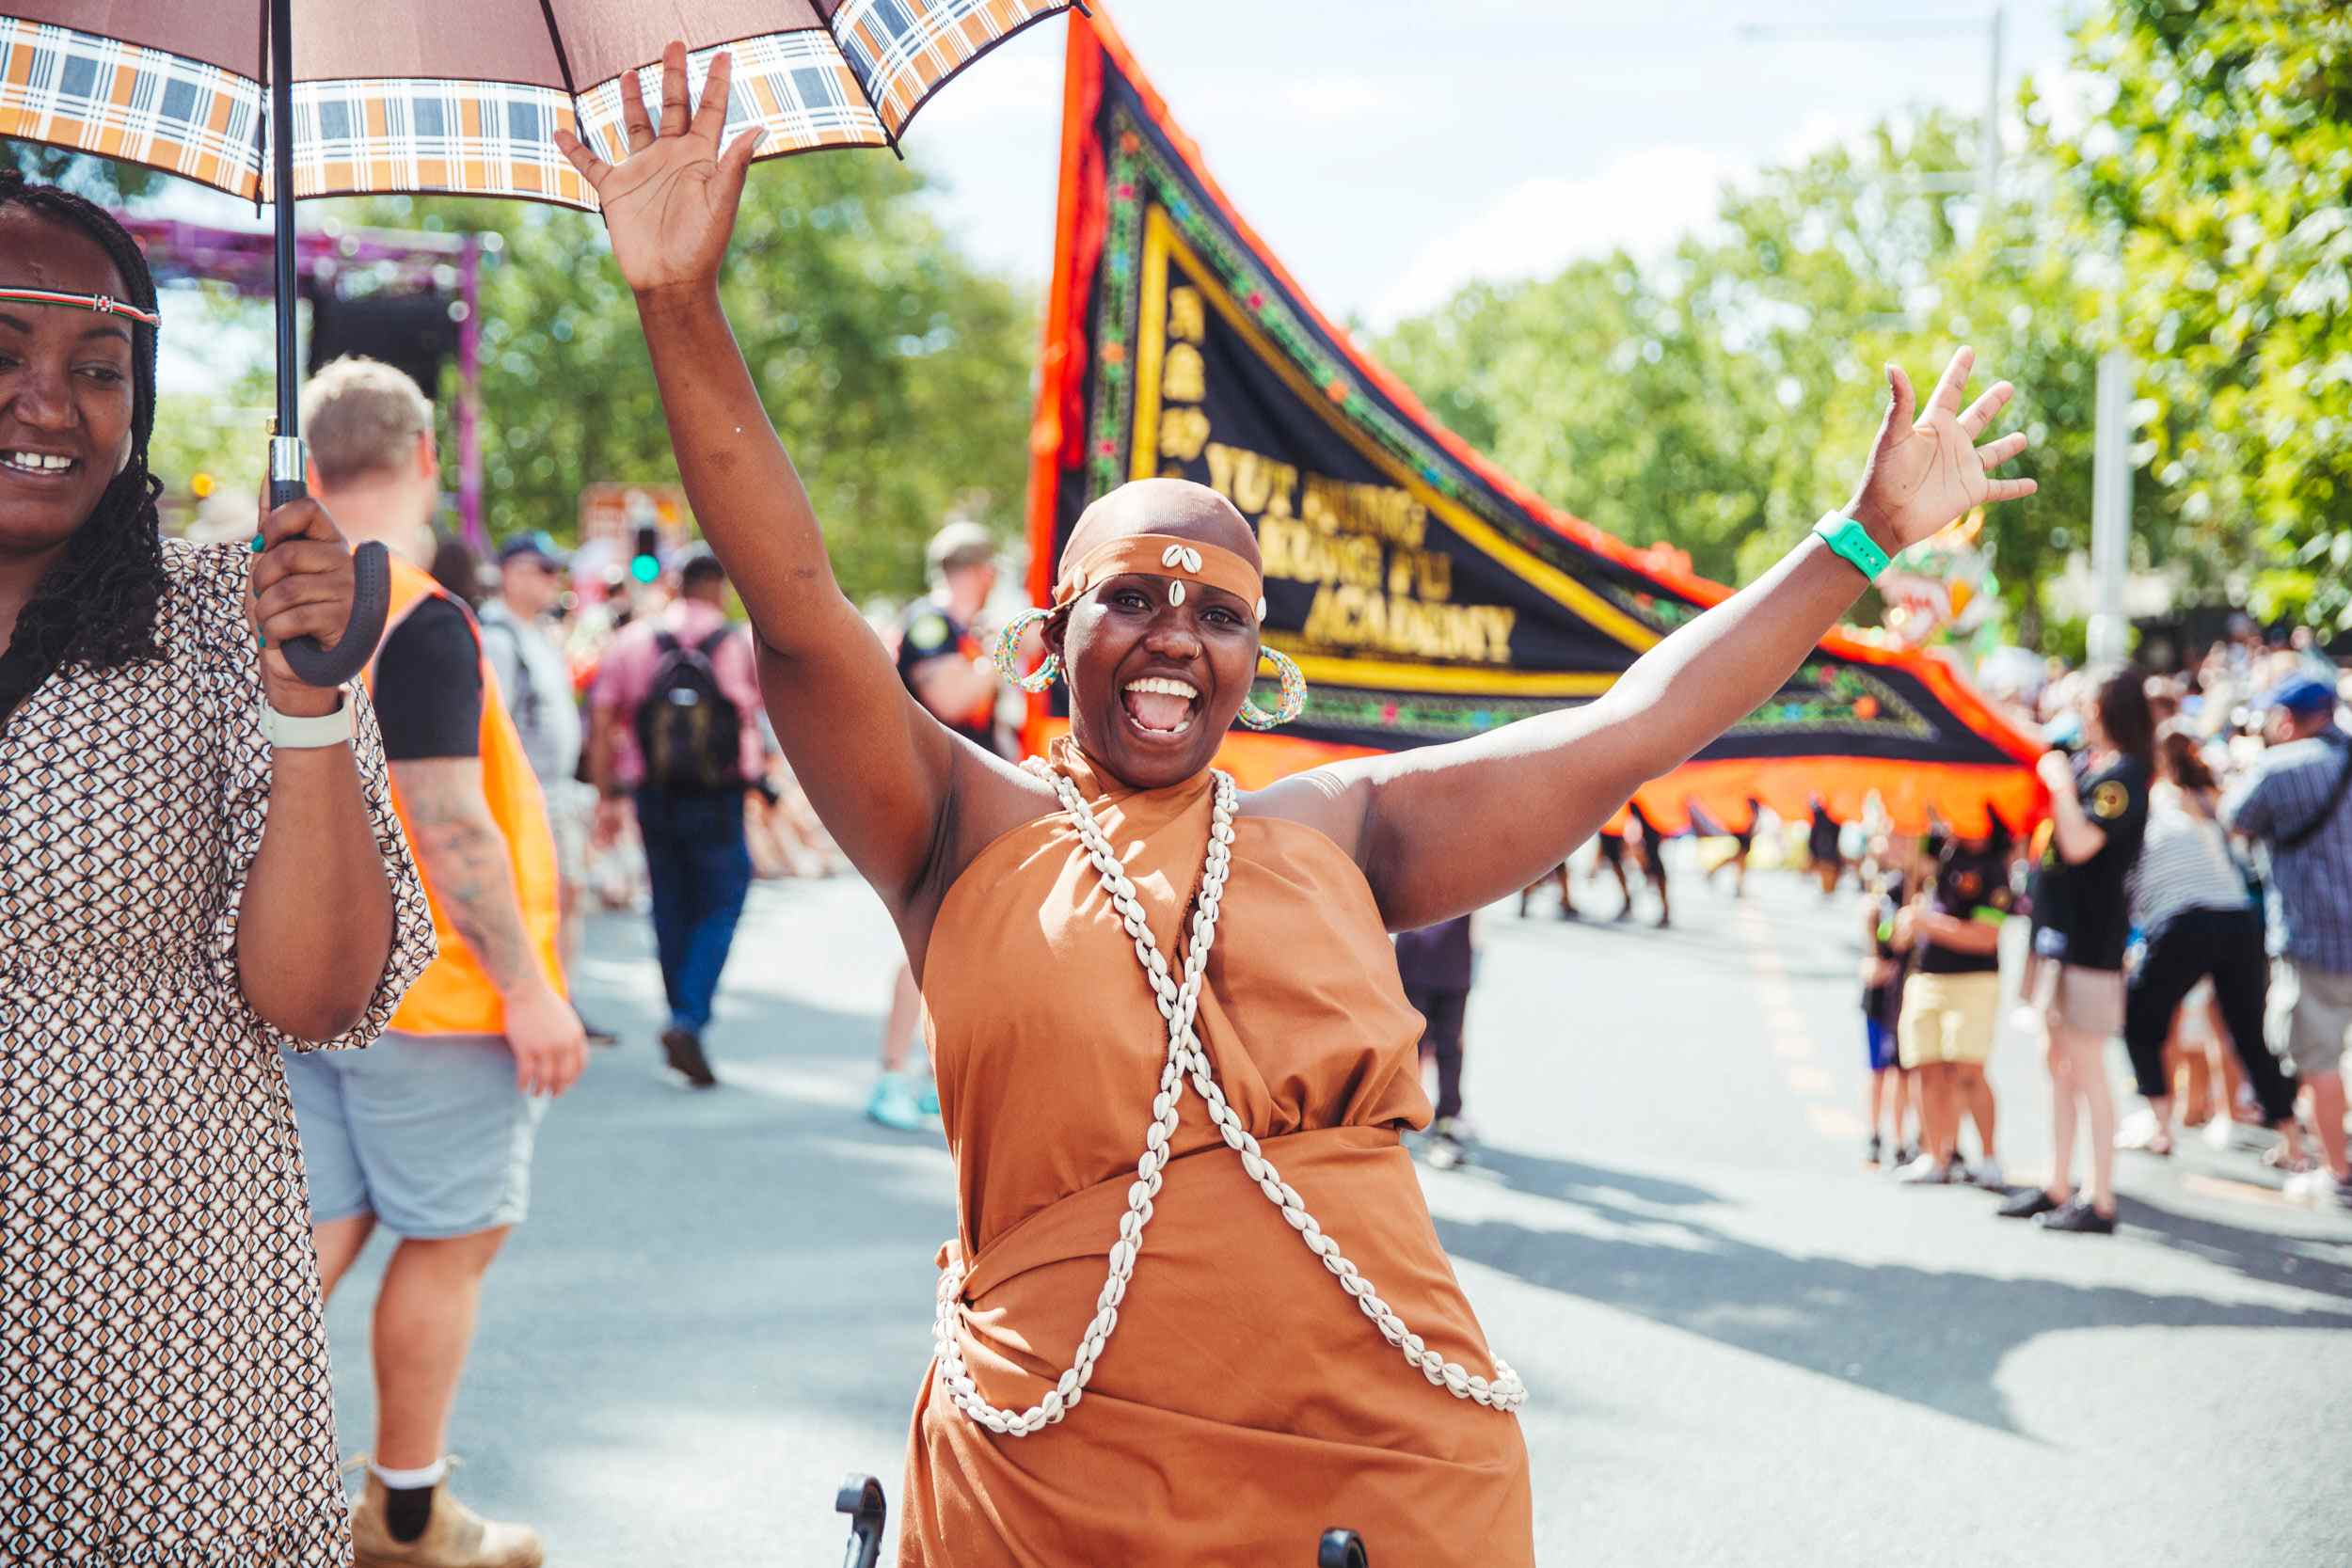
1425, 594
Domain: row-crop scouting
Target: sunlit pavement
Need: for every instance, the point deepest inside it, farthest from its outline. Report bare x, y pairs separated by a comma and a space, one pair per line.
1744, 1348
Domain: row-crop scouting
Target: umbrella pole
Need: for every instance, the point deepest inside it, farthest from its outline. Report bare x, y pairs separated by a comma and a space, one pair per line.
371, 592
285, 449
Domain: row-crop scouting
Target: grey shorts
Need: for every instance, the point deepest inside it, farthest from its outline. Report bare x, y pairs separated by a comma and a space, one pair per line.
2311, 1015
2068, 996
427, 1132
571, 813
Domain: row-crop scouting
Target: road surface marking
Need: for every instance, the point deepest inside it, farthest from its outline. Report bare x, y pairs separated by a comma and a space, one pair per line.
1834, 1123
1789, 1034
2234, 1191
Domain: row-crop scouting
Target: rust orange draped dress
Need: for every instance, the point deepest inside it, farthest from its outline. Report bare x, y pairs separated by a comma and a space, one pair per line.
1243, 1402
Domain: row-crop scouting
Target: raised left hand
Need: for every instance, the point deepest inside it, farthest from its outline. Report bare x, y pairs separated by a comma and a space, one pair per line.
302, 586
1924, 473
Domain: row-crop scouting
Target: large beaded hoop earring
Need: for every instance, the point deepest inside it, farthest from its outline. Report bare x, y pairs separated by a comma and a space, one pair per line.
1293, 693
1009, 653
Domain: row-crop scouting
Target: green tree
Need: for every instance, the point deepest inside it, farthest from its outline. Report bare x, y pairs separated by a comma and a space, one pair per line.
2222, 164
896, 369
1595, 389
1704, 398
1721, 398
102, 179
2030, 295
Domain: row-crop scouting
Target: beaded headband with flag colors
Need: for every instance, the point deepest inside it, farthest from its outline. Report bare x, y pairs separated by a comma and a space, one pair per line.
104, 305
1162, 555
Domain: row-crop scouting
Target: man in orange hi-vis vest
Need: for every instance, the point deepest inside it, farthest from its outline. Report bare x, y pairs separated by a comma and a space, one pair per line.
429, 1133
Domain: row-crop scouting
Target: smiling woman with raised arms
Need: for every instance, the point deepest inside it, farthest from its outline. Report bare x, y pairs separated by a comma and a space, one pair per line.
1167, 1023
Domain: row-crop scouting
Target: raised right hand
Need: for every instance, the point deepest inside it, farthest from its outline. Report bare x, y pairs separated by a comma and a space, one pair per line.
670, 204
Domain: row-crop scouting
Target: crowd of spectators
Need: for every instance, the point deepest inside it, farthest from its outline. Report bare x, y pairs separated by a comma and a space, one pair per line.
2190, 894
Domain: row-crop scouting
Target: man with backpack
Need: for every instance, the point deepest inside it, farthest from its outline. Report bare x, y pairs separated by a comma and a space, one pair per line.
2297, 802
676, 727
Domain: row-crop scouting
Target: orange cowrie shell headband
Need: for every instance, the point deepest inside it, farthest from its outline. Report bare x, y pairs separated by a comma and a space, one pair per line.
1162, 555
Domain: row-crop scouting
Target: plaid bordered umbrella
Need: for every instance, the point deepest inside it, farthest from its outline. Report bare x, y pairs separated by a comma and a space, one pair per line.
461, 97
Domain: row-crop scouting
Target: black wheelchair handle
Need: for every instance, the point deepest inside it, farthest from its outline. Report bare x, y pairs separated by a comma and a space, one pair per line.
1340, 1548
861, 1499
316, 664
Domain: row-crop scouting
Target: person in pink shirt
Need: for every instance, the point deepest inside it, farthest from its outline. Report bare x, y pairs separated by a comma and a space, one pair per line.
676, 726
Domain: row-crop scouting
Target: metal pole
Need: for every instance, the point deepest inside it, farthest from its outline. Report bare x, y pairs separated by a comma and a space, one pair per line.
282, 175
469, 397
370, 594
1989, 159
2111, 629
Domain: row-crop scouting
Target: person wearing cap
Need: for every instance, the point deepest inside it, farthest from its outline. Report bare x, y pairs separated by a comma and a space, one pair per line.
940, 658
537, 682
674, 729
2296, 802
947, 669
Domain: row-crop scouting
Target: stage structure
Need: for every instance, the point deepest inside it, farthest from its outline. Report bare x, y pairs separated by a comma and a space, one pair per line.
411, 297
1426, 595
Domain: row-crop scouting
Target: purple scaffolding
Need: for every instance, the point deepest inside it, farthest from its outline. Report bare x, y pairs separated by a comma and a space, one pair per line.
446, 265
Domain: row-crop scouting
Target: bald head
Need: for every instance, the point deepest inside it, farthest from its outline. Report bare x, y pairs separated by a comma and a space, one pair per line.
1171, 506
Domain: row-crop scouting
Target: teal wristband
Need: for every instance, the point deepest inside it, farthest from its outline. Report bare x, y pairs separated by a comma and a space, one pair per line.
1853, 544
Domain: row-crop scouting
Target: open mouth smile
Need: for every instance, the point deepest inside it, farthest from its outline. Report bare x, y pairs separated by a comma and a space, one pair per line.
1160, 707
39, 465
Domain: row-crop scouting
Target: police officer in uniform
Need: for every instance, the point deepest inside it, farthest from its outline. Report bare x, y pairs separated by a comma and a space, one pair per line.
944, 663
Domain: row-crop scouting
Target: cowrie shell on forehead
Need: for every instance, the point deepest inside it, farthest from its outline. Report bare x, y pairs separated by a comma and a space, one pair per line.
1192, 561
1260, 607
1175, 593
1173, 556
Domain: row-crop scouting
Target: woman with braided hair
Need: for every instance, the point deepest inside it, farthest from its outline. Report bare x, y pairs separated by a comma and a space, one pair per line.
198, 864
1171, 1042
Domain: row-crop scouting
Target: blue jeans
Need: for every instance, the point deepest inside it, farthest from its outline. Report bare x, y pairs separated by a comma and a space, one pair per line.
700, 868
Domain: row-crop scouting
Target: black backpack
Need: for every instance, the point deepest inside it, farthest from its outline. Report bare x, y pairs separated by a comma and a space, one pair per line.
689, 731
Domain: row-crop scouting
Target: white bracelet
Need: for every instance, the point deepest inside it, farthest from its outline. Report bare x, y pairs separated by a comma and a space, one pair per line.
287, 731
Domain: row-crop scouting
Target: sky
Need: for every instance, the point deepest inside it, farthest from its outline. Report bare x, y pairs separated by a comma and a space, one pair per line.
1391, 150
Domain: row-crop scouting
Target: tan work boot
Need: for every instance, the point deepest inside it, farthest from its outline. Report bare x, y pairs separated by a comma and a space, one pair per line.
454, 1537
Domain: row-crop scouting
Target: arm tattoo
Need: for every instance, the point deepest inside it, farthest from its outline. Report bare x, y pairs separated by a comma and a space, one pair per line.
464, 859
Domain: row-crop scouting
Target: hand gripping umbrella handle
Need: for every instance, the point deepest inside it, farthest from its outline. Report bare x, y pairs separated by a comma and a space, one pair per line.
370, 597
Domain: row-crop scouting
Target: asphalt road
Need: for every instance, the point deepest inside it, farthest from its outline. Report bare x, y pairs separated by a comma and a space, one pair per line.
1743, 1347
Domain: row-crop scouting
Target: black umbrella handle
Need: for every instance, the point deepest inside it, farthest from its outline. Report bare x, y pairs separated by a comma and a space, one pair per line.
314, 663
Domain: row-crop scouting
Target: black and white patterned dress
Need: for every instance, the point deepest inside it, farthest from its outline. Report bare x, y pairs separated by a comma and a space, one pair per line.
164, 1393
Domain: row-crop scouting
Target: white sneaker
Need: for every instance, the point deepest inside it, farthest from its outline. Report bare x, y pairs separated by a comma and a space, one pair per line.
1924, 1172
2318, 1188
1986, 1173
